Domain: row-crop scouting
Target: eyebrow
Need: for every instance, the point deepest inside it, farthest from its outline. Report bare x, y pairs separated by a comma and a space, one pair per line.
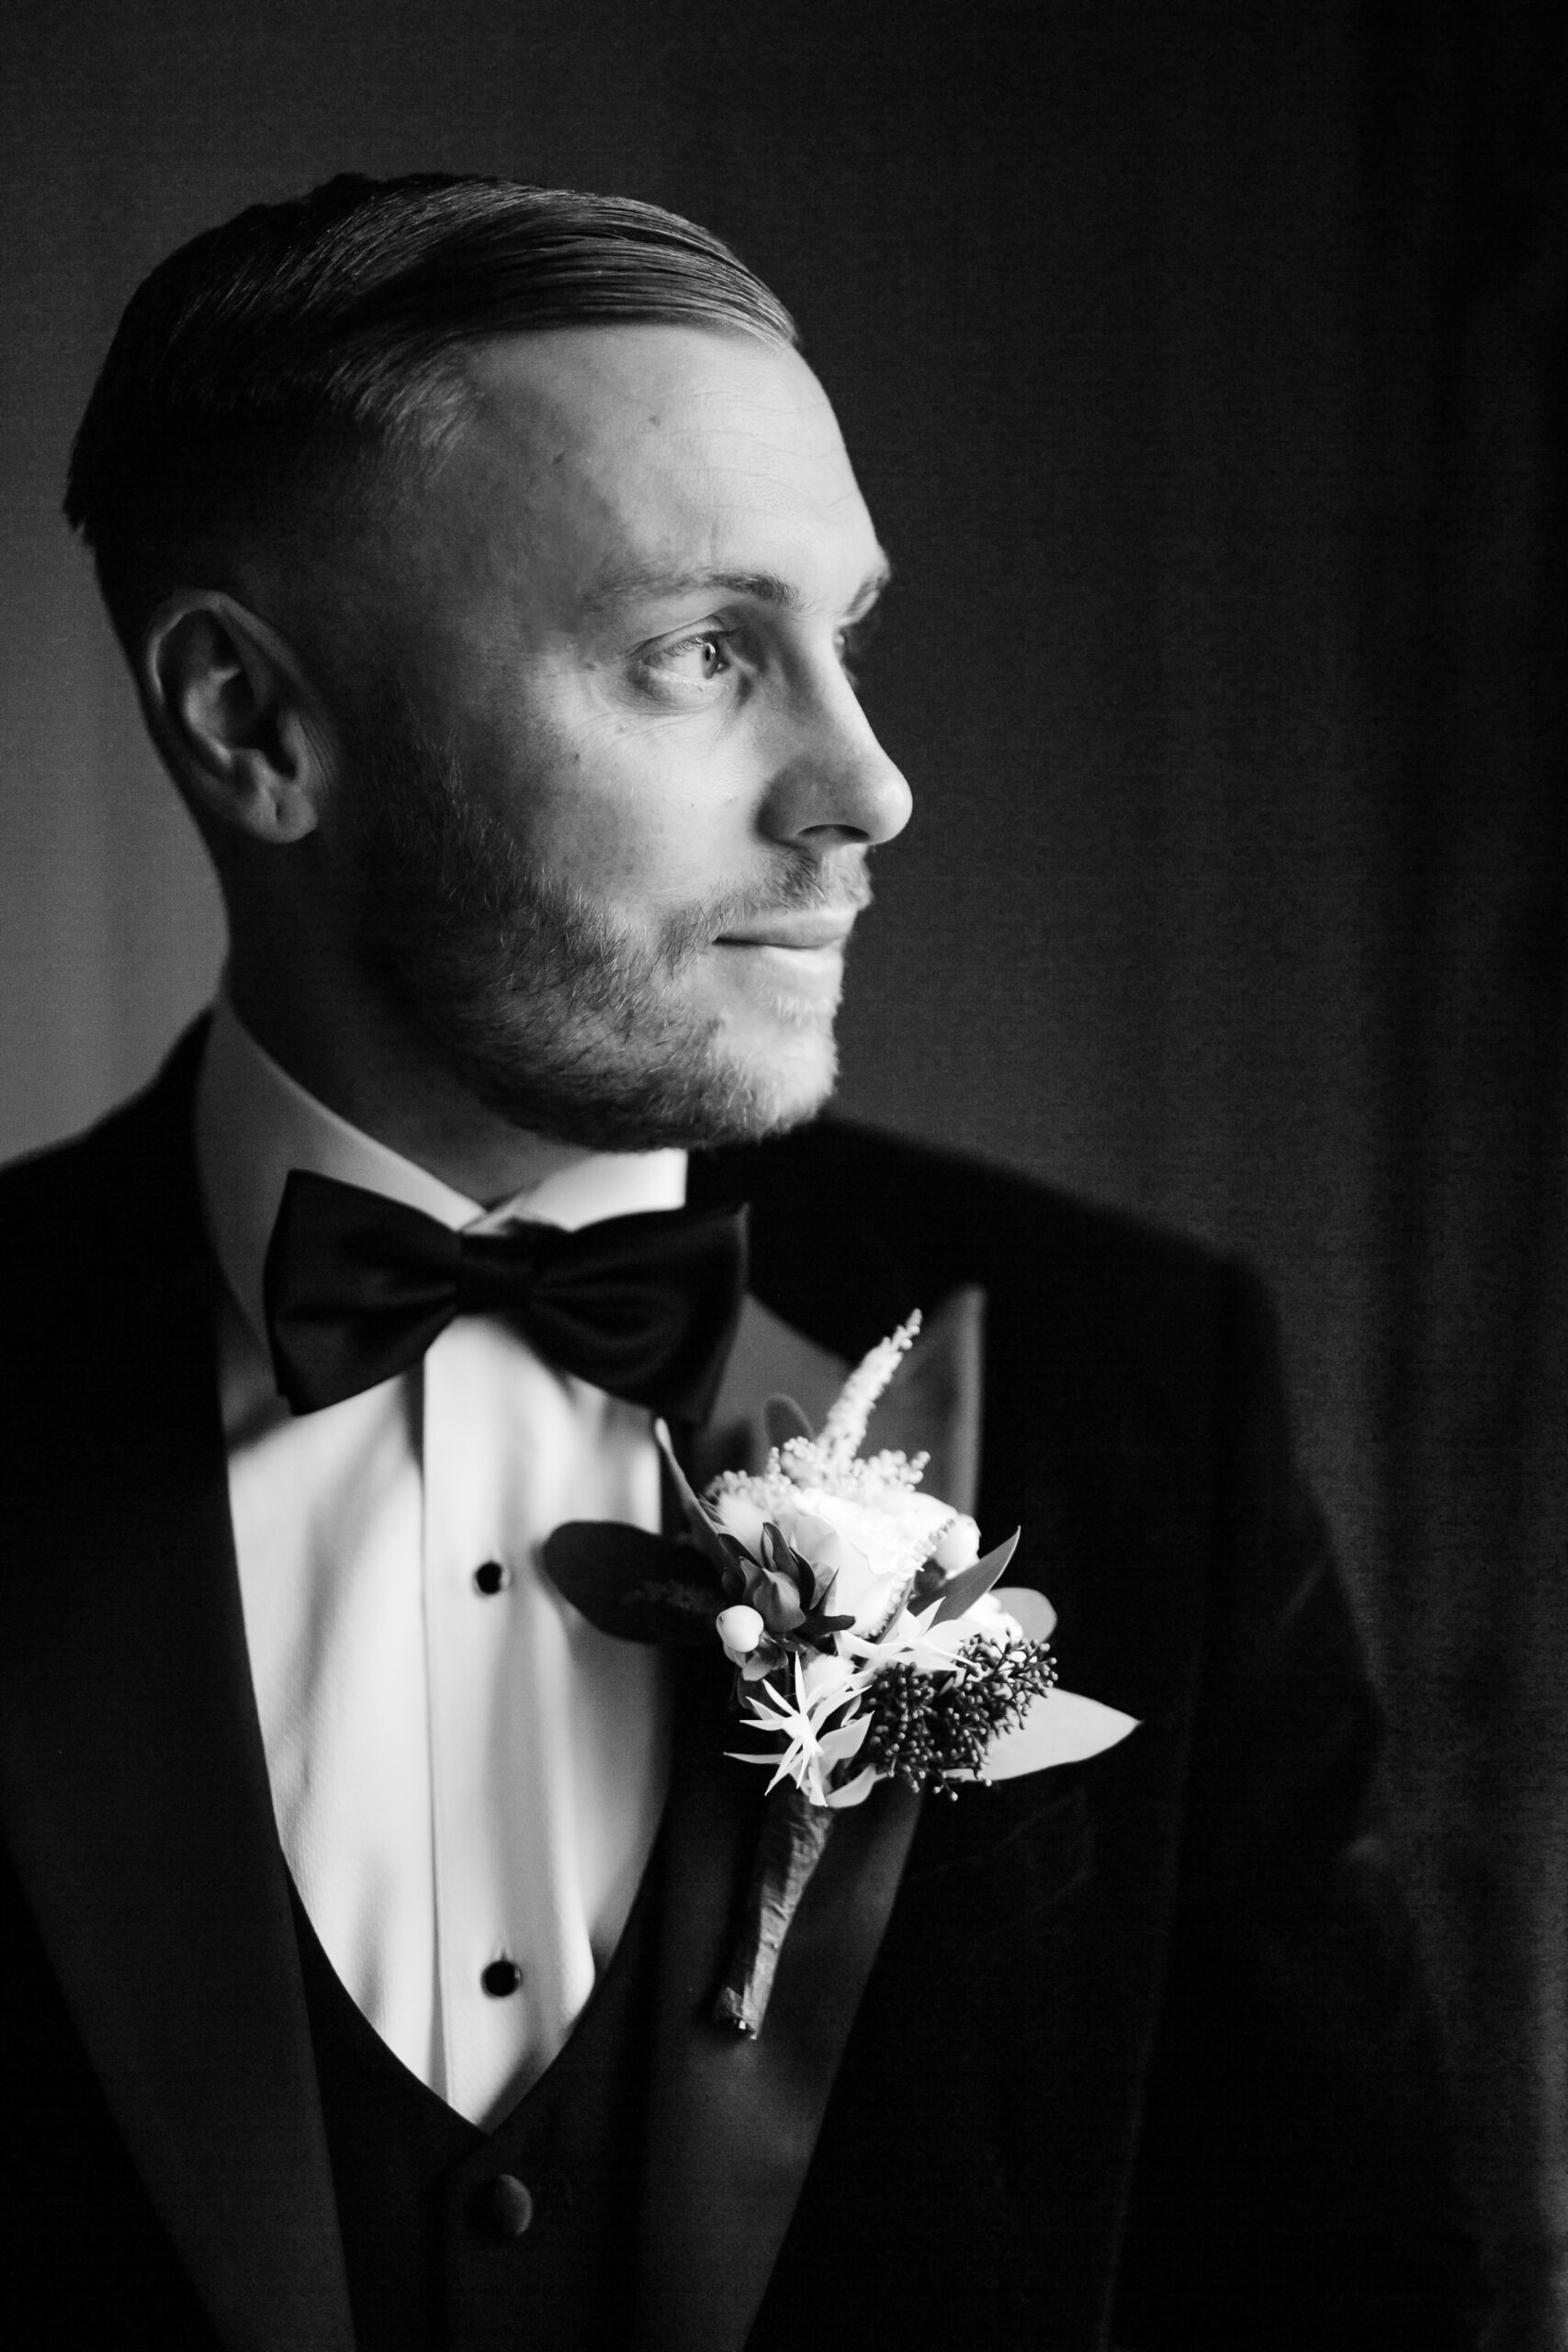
642, 585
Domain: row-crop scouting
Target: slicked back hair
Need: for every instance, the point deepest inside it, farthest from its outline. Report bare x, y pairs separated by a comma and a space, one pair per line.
272, 359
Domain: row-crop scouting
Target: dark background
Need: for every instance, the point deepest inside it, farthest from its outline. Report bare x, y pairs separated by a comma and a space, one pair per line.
1205, 367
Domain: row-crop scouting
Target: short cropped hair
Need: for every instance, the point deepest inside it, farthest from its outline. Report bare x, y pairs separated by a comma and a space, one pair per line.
277, 355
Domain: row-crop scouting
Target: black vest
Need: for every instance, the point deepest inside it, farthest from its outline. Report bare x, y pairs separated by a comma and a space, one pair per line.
462, 2241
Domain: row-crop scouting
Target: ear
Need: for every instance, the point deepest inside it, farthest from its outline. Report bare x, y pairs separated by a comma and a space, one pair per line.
235, 718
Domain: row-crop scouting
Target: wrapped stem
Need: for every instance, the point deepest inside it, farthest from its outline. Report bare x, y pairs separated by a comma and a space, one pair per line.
795, 1832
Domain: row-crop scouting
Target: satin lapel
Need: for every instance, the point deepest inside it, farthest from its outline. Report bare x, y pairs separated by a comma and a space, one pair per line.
134, 1782
932, 1407
766, 1358
732, 2123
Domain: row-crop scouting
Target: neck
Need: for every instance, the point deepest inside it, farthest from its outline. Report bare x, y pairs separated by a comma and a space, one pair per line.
369, 1067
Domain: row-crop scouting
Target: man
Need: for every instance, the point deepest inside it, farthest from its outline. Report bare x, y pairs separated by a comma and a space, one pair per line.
489, 565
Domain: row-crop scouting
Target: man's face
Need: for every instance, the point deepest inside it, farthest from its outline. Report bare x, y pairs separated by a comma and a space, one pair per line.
611, 812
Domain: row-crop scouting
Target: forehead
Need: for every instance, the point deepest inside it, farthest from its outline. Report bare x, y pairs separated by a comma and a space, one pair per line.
597, 457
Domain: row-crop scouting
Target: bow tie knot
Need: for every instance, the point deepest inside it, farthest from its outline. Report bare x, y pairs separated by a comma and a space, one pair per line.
357, 1287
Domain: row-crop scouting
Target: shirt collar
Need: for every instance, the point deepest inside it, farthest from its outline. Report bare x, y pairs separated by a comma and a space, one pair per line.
254, 1124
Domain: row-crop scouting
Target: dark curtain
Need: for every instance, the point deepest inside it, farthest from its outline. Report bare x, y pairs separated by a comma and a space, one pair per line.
1465, 601
1204, 367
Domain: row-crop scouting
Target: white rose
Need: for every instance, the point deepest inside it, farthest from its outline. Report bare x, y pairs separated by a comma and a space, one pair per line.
870, 1550
741, 1517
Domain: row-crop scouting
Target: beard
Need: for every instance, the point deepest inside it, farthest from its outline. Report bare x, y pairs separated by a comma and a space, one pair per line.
541, 1002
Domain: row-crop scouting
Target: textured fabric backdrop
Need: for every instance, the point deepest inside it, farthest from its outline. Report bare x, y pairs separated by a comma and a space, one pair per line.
1205, 368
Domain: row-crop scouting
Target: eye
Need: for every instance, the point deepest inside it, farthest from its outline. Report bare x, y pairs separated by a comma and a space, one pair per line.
854, 640
694, 660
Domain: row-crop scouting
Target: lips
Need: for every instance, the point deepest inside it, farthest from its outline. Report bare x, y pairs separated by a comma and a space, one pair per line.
825, 929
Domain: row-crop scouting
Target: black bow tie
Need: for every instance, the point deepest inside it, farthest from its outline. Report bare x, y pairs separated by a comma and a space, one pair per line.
357, 1287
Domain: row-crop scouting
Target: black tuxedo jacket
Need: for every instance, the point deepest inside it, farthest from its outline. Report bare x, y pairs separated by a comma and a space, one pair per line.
1129, 2053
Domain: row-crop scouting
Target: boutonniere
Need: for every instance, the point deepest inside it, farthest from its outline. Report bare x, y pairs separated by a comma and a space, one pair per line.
866, 1638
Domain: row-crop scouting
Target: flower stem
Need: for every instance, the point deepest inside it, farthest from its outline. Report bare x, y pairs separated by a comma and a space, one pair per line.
795, 1832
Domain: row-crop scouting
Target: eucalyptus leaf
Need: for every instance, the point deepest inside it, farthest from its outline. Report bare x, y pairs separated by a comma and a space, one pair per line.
854, 1791
1064, 1727
837, 1746
1034, 1614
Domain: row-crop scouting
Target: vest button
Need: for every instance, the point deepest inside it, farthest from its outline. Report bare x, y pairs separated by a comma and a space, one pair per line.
492, 1577
504, 2208
501, 1977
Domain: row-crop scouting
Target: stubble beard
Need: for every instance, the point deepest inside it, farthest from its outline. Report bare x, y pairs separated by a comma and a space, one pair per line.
539, 1001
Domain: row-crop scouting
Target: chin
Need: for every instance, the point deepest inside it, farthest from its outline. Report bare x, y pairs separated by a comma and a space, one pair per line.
694, 1086
780, 1083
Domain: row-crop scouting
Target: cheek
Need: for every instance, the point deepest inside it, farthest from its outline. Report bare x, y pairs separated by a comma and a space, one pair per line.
629, 815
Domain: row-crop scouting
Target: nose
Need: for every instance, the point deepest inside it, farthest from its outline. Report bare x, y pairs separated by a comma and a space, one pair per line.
833, 783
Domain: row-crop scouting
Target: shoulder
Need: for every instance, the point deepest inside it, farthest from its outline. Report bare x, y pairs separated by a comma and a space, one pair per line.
950, 1202
880, 1217
118, 1199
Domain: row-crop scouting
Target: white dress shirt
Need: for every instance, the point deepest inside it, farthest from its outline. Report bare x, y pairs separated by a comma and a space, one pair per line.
464, 1773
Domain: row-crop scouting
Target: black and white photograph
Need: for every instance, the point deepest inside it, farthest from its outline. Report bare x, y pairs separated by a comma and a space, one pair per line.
784, 1177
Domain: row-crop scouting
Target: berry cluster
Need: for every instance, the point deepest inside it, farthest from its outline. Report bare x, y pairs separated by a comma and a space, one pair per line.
927, 1727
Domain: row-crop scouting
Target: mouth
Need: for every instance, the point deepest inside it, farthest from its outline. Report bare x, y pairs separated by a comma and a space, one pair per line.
802, 934
789, 965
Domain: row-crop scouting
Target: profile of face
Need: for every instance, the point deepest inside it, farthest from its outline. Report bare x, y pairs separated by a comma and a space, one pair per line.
609, 791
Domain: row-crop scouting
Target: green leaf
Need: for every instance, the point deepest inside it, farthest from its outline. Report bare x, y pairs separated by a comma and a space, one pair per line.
639, 1587
725, 1553
782, 1420
855, 1792
962, 1591
837, 1746
775, 1594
